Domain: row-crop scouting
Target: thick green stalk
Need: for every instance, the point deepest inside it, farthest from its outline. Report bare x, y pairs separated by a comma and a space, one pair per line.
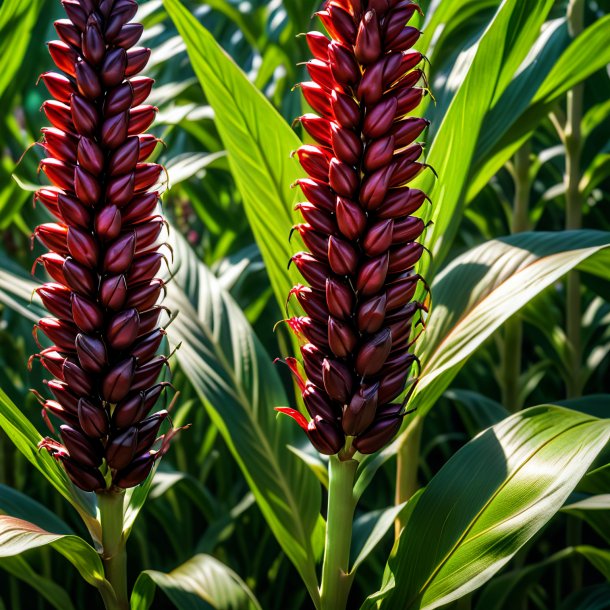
407, 464
114, 554
336, 581
513, 329
573, 146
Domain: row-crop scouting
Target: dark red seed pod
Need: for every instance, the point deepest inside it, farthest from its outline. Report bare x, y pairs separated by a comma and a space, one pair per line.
56, 299
137, 472
108, 223
325, 436
59, 86
125, 158
361, 411
73, 212
346, 144
129, 35
120, 189
92, 419
380, 433
147, 374
53, 236
77, 379
318, 403
148, 430
118, 100
373, 353
123, 329
113, 292
140, 119
86, 314
87, 187
79, 278
114, 67
342, 339
139, 208
60, 332
85, 478
84, 115
64, 56
60, 173
88, 81
116, 384
141, 87
144, 296
59, 115
119, 255
318, 192
83, 248
90, 156
81, 449
114, 130
68, 32
53, 264
338, 380
91, 353
122, 448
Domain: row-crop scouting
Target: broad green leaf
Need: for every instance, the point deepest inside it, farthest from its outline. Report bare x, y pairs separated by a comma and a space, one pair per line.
18, 567
202, 583
484, 287
17, 19
583, 57
595, 510
26, 438
16, 504
502, 47
258, 142
239, 385
477, 513
18, 536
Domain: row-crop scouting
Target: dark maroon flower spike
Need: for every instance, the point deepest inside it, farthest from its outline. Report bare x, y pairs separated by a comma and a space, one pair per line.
359, 227
104, 250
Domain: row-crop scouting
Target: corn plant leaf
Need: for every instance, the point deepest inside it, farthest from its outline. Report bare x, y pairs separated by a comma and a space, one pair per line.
501, 49
18, 536
484, 287
258, 142
16, 504
509, 591
584, 56
201, 583
18, 567
489, 508
239, 385
26, 438
17, 19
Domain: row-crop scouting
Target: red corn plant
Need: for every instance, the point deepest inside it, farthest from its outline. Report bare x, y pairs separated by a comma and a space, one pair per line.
362, 239
103, 258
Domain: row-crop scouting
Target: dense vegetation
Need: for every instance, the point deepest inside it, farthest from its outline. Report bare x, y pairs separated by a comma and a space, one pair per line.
518, 334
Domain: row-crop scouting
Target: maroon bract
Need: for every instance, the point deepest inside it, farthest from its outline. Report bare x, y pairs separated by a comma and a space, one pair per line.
359, 227
104, 249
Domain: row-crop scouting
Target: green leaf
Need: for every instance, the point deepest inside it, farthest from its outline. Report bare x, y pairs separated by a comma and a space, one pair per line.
17, 20
510, 590
18, 536
19, 568
258, 142
26, 438
16, 504
477, 513
239, 386
201, 583
484, 287
502, 47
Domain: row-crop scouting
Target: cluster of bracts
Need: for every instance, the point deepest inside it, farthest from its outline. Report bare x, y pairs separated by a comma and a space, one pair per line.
104, 250
359, 226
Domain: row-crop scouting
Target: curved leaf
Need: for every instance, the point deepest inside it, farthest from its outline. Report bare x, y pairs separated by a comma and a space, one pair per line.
201, 583
240, 386
258, 142
477, 513
18, 536
484, 287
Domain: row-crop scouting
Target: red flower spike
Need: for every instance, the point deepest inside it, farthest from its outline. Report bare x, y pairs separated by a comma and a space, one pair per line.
359, 225
103, 248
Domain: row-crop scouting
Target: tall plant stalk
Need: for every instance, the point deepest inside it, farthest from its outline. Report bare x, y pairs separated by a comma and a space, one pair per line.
111, 505
513, 329
573, 150
407, 464
336, 581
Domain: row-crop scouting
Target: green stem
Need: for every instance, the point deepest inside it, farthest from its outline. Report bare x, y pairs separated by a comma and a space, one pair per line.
513, 329
407, 465
336, 580
573, 145
114, 555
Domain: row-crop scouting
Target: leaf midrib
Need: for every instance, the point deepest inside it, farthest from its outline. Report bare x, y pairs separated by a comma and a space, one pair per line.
473, 522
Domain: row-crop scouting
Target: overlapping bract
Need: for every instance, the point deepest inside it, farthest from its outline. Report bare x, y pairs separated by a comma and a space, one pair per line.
359, 226
103, 250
